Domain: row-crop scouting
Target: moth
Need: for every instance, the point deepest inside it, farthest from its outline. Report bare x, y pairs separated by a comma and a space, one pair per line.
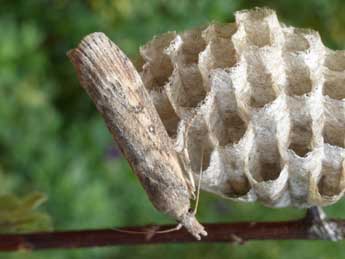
116, 88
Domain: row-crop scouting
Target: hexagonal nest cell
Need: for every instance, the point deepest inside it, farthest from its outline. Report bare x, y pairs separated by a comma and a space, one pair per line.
258, 106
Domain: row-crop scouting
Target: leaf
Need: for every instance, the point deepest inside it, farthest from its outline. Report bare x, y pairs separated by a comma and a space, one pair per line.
20, 215
33, 200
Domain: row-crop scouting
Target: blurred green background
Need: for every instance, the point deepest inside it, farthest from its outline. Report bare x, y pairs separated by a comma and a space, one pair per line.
53, 141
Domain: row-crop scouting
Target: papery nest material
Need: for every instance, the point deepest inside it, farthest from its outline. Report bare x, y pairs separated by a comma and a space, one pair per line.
262, 100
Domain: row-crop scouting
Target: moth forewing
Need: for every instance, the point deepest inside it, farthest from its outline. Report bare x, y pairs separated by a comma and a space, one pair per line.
115, 87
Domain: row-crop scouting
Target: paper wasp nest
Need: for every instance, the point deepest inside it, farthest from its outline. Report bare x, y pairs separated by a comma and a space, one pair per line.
263, 102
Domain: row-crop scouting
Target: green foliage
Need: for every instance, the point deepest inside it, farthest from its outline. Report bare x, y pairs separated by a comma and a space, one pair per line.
52, 139
19, 215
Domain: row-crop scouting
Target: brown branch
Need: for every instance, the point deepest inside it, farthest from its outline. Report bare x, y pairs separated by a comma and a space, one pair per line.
240, 232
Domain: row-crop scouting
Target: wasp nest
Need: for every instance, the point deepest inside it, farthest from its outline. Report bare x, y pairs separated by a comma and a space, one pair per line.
258, 106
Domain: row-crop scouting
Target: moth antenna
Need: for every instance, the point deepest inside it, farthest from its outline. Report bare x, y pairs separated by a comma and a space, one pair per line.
199, 182
178, 227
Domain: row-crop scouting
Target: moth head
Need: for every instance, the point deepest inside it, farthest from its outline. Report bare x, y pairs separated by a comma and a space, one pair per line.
189, 221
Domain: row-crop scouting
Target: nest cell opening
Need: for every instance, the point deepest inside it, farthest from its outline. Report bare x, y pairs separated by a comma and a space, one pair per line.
223, 54
192, 45
257, 30
223, 115
161, 72
220, 51
298, 77
169, 118
233, 129
330, 181
199, 146
260, 82
265, 166
270, 170
300, 138
202, 150
187, 87
334, 134
155, 75
157, 67
295, 42
335, 60
225, 122
262, 91
334, 88
237, 186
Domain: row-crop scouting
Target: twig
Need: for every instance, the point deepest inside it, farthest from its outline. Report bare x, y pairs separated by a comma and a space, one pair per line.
230, 232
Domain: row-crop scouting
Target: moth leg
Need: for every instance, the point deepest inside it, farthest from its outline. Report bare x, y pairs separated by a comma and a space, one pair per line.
191, 184
199, 184
320, 226
180, 148
151, 231
189, 178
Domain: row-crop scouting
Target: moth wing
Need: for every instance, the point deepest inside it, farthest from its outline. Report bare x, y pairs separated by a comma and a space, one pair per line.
117, 90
